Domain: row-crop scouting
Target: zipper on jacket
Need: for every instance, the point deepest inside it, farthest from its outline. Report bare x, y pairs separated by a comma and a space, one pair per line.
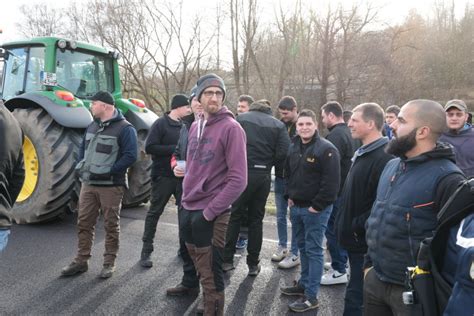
410, 241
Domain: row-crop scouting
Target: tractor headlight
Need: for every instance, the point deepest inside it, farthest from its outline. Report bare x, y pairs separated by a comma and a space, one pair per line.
73, 44
62, 43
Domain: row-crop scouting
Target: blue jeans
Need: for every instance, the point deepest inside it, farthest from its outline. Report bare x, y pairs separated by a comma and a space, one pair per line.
338, 255
310, 228
4, 238
282, 208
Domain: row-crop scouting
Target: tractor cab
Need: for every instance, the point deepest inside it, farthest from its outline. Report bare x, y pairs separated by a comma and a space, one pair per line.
39, 67
47, 83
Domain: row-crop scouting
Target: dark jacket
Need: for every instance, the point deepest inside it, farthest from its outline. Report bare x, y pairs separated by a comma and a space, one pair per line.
462, 296
161, 144
340, 136
359, 193
409, 196
291, 129
182, 145
12, 172
463, 143
313, 173
267, 139
115, 136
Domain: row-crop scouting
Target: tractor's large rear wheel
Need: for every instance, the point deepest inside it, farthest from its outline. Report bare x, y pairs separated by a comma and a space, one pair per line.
50, 152
139, 180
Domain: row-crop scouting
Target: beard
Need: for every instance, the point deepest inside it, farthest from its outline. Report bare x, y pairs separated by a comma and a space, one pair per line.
399, 146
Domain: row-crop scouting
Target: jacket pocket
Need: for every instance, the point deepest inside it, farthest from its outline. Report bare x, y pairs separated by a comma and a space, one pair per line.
104, 148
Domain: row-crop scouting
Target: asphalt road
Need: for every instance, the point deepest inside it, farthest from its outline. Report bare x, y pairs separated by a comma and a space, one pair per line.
30, 282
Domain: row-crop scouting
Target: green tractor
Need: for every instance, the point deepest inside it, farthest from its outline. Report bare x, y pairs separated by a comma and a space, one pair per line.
47, 83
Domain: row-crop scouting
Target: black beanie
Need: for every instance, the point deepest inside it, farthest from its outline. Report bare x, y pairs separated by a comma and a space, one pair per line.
103, 96
178, 101
209, 80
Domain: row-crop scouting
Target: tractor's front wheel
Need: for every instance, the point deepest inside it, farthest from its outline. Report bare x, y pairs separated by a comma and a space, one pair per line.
50, 155
139, 180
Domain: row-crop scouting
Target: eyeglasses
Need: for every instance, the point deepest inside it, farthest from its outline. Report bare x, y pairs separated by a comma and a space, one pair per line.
209, 94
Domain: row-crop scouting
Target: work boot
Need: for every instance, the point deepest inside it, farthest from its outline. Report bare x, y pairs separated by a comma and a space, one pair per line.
75, 268
107, 271
145, 260
214, 303
181, 290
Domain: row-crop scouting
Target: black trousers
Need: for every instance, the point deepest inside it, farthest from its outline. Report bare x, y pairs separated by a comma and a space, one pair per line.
161, 190
190, 278
251, 203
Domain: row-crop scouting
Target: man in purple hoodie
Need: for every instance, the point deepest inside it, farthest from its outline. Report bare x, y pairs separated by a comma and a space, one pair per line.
215, 176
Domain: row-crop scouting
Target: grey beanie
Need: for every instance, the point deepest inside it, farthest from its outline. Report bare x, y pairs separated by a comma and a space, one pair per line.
209, 80
193, 93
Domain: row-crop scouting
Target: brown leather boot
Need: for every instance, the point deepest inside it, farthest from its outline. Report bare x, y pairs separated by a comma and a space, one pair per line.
214, 304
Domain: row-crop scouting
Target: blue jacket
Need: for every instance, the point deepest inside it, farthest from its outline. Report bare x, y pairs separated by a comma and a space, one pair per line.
461, 240
405, 209
463, 143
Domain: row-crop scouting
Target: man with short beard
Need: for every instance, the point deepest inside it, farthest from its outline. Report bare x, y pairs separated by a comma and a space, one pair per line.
460, 134
215, 176
411, 191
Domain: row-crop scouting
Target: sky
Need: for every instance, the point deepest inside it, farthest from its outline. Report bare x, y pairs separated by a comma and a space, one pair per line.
390, 11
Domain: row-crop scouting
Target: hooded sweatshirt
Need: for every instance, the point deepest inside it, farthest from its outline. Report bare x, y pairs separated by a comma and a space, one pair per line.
463, 143
216, 164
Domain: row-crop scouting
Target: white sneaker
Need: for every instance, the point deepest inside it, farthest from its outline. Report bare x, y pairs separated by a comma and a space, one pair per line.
280, 254
289, 262
327, 266
332, 277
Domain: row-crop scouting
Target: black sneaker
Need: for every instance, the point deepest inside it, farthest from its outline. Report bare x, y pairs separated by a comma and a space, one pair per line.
145, 260
293, 290
75, 268
254, 270
304, 304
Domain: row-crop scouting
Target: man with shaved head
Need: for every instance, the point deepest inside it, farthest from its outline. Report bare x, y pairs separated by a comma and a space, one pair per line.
411, 191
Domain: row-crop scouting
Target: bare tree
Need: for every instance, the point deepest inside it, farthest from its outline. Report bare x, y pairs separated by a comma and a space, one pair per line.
40, 20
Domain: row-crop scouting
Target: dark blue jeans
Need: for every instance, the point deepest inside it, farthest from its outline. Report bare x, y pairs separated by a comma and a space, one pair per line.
309, 229
353, 302
338, 255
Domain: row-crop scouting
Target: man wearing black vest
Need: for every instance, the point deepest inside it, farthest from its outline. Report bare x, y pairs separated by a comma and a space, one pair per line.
411, 191
108, 149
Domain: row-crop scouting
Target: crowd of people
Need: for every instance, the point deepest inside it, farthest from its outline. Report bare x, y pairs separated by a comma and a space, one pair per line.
377, 186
